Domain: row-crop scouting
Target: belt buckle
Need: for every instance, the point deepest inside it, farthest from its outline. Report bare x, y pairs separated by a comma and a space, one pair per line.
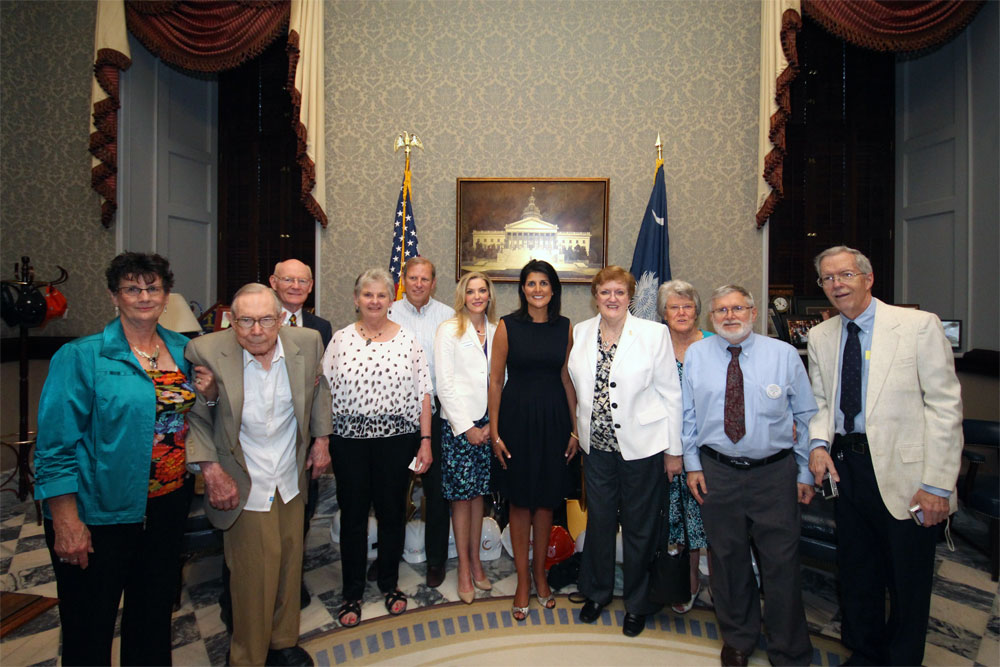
858, 447
740, 462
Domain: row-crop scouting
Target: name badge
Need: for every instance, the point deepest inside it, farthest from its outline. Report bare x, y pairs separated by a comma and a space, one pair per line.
773, 391
468, 343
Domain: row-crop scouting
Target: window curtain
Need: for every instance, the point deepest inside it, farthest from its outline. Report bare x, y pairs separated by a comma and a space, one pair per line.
893, 25
198, 35
305, 85
111, 57
780, 22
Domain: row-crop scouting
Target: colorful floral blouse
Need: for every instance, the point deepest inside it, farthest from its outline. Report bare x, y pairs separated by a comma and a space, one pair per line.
174, 397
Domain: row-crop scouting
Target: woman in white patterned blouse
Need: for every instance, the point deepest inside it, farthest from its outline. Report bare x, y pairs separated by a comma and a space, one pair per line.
381, 389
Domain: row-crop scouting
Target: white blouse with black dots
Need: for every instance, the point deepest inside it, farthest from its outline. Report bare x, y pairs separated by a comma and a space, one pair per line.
377, 387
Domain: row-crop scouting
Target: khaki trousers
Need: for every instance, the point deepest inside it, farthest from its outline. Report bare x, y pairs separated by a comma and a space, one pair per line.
264, 553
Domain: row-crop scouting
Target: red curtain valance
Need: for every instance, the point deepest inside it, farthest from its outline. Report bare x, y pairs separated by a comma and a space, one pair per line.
893, 25
206, 35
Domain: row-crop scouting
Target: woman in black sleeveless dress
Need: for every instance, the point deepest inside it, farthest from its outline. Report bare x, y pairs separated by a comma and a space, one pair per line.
532, 422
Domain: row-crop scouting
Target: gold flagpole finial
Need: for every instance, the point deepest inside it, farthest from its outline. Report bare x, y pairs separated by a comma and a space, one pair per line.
659, 147
407, 142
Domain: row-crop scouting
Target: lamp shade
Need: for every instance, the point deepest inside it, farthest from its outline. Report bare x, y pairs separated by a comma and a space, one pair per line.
177, 316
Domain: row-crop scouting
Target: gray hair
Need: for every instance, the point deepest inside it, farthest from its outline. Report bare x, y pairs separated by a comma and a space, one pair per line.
863, 263
729, 289
679, 288
256, 288
376, 274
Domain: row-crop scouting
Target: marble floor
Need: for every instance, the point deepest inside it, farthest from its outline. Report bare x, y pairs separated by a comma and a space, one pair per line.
964, 625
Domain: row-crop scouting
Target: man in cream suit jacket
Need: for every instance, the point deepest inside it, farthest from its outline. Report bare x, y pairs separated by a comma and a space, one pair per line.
252, 445
893, 416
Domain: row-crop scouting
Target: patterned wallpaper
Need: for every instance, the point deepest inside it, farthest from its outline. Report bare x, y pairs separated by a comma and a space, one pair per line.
542, 89
493, 88
48, 210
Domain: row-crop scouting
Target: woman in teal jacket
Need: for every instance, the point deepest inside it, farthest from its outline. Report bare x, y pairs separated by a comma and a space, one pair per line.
110, 468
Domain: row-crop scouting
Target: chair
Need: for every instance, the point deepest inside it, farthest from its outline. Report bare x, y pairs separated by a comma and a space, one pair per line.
979, 491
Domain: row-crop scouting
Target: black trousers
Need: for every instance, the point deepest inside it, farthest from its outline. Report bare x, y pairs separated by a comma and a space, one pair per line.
438, 520
761, 503
877, 553
371, 471
626, 492
140, 562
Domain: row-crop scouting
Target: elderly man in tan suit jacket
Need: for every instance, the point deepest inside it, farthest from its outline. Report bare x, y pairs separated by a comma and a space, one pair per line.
890, 405
251, 443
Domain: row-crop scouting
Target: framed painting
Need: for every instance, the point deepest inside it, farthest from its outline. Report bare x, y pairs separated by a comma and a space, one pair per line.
799, 326
502, 223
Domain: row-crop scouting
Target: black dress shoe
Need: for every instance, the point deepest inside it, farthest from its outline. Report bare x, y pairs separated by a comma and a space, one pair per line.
591, 611
293, 656
733, 658
372, 574
435, 575
633, 625
304, 597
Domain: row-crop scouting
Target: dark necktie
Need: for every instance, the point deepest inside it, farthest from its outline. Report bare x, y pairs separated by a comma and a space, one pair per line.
735, 425
292, 321
850, 377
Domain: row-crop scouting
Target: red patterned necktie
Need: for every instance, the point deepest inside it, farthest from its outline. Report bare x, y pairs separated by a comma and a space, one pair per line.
735, 424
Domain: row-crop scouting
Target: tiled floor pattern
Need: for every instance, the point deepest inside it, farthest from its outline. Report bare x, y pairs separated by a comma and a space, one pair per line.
964, 625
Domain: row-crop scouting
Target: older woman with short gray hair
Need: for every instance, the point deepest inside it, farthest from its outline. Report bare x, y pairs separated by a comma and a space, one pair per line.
680, 305
382, 390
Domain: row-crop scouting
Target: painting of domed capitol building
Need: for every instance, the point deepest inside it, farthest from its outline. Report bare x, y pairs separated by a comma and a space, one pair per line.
503, 223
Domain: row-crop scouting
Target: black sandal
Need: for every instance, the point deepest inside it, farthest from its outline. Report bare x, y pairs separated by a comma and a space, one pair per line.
353, 607
392, 598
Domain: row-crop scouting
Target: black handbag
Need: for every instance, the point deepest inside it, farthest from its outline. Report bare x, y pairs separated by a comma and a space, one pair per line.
670, 573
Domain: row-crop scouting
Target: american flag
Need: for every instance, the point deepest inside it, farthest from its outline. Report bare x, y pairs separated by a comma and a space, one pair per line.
404, 234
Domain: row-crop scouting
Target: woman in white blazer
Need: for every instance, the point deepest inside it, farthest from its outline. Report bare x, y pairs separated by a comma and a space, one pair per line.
628, 413
462, 350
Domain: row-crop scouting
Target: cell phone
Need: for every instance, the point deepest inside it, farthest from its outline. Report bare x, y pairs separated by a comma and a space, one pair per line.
829, 487
917, 514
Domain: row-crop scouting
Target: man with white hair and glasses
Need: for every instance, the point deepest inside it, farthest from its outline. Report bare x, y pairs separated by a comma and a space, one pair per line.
252, 444
742, 394
889, 432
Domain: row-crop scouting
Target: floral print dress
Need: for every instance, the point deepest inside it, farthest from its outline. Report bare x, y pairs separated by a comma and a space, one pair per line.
174, 398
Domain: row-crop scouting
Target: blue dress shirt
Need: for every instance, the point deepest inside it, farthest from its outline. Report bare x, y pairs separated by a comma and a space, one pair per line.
776, 391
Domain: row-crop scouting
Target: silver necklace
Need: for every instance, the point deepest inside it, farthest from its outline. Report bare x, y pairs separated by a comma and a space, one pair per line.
365, 334
151, 358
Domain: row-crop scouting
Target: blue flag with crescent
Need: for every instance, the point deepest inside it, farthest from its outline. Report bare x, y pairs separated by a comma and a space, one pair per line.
651, 259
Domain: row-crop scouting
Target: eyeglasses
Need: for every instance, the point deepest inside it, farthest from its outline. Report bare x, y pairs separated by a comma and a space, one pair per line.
288, 280
133, 291
266, 322
735, 310
687, 308
845, 277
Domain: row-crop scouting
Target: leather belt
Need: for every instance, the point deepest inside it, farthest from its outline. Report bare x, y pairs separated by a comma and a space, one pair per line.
742, 462
856, 443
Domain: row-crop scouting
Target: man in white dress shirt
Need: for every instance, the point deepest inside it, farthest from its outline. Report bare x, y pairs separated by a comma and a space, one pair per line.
252, 445
422, 315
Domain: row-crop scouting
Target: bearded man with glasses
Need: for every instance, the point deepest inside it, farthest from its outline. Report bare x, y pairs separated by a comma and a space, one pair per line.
747, 467
253, 447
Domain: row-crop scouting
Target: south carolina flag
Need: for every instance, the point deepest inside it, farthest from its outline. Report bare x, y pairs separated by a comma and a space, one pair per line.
651, 259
